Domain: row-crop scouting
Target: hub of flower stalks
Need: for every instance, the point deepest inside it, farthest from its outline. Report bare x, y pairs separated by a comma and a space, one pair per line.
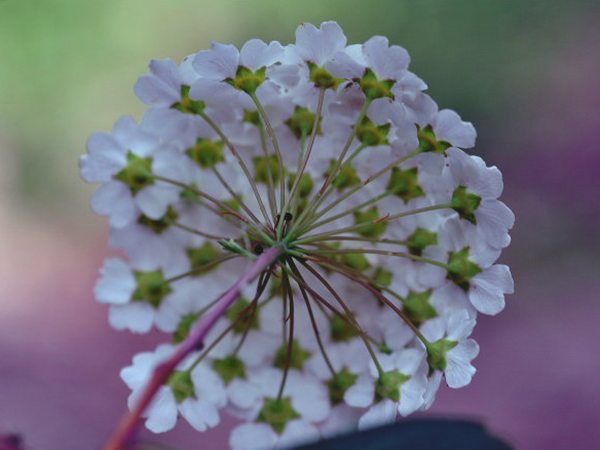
324, 180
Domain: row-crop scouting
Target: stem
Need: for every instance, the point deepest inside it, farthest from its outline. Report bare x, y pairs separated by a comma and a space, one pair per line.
312, 319
239, 159
201, 268
373, 177
351, 275
352, 238
321, 194
347, 311
290, 343
275, 143
371, 251
263, 281
345, 213
206, 196
235, 196
123, 434
311, 238
270, 184
198, 232
311, 143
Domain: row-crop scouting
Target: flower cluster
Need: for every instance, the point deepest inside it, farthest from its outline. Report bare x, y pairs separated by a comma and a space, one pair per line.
388, 234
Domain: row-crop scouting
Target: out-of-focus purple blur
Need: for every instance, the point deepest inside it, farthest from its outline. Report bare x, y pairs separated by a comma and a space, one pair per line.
538, 121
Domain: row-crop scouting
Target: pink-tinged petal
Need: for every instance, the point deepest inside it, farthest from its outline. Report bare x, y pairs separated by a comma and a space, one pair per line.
218, 63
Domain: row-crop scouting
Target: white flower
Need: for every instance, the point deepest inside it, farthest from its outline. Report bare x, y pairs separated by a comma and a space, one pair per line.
399, 388
197, 394
388, 235
448, 335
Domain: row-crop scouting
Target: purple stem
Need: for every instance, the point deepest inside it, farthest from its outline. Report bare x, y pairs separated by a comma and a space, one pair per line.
123, 434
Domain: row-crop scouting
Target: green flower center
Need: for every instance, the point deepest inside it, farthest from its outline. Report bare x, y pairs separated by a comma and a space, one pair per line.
388, 385
375, 88
373, 229
182, 386
186, 104
151, 288
339, 384
159, 225
370, 134
461, 269
201, 257
405, 184
246, 80
419, 240
206, 153
277, 412
137, 174
436, 353
418, 308
428, 141
302, 122
465, 204
297, 358
242, 316
229, 368
322, 78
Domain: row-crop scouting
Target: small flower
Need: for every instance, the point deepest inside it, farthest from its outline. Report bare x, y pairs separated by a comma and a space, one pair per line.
195, 393
333, 157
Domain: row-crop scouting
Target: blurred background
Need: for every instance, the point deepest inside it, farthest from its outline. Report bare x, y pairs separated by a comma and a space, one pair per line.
526, 73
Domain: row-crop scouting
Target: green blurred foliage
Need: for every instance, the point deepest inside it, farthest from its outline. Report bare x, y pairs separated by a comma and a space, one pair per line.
67, 67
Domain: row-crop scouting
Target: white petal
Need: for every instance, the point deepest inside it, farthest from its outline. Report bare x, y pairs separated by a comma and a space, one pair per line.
298, 432
256, 54
243, 394
218, 63
154, 200
105, 158
116, 283
450, 128
200, 414
318, 45
252, 436
387, 62
135, 316
114, 199
383, 412
360, 394
162, 413
459, 370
